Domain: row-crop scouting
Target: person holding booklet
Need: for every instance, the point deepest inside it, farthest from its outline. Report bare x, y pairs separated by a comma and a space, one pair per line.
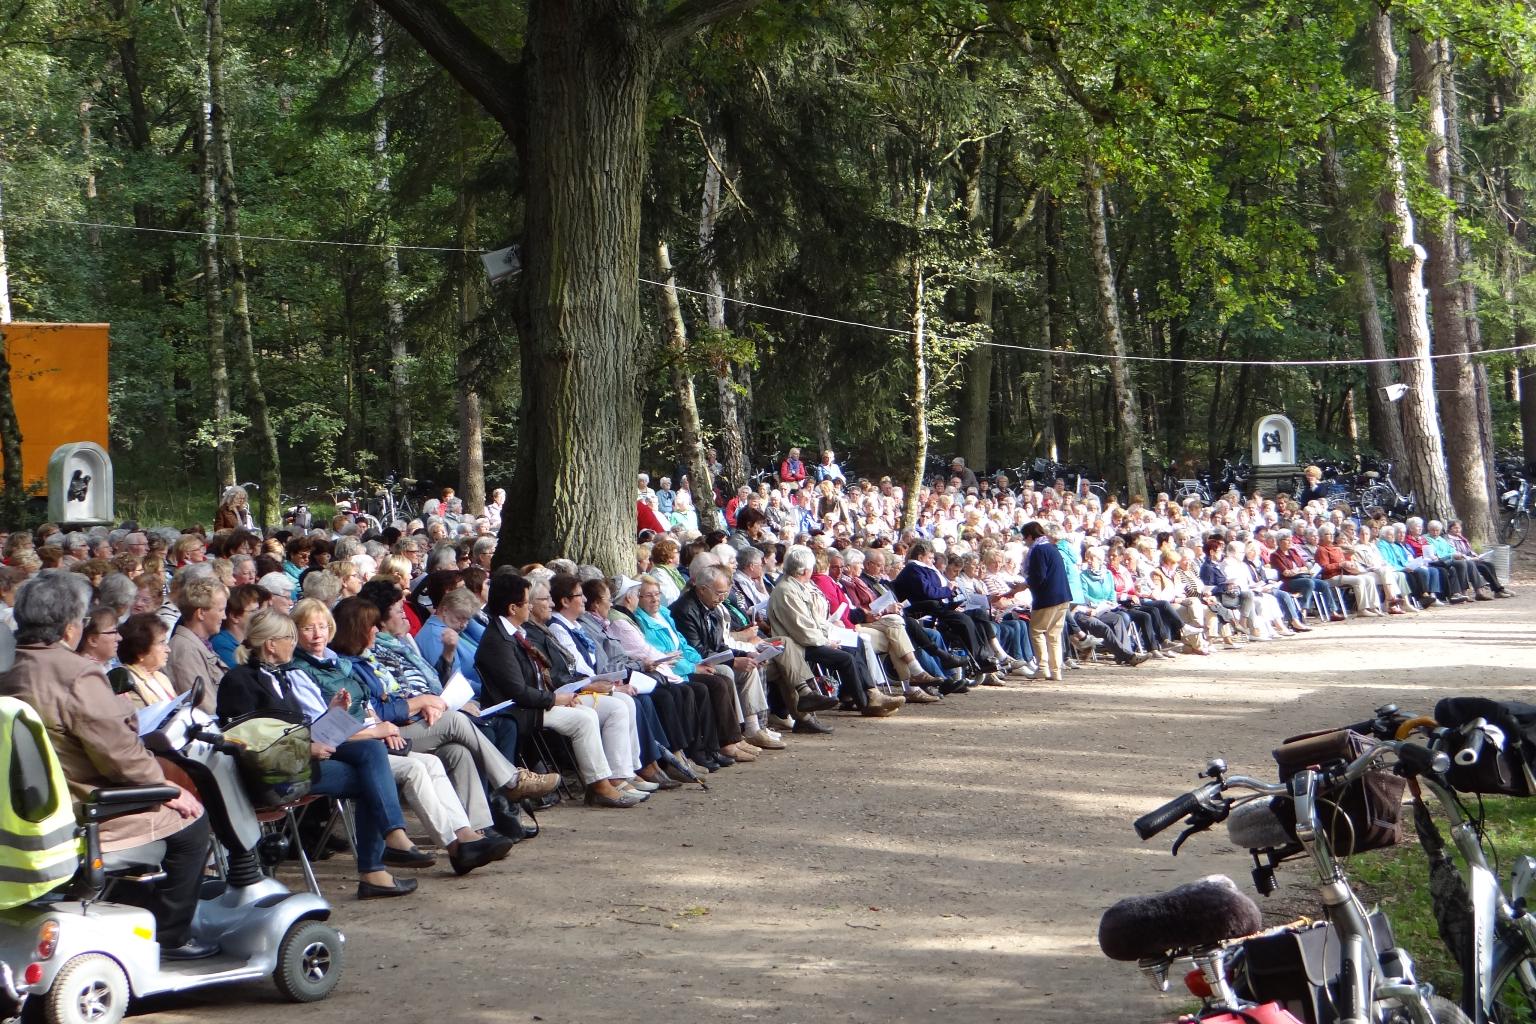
422, 781
513, 668
881, 634
406, 693
574, 679
1479, 564
358, 770
798, 611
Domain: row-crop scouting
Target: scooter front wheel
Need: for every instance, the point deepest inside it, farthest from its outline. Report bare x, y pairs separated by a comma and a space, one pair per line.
308, 962
90, 989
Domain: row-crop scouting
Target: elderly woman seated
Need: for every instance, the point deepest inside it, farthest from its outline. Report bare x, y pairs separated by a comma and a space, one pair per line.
881, 634
554, 632
419, 777
403, 690
267, 680
98, 747
798, 612
143, 649
684, 704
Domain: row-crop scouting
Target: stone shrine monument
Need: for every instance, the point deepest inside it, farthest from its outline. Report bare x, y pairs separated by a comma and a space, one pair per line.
80, 485
1274, 453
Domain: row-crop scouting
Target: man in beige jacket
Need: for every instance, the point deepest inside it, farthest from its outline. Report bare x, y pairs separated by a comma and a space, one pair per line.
95, 735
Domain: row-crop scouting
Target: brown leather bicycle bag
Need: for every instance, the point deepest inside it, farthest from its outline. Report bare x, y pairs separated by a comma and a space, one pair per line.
1365, 815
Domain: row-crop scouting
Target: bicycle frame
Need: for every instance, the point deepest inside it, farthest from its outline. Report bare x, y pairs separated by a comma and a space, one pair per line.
1503, 935
1365, 979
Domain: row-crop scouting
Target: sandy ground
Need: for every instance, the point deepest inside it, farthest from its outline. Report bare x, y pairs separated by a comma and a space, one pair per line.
946, 864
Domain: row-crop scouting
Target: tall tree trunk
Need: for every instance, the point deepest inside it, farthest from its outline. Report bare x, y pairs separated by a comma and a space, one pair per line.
575, 107
1424, 451
1458, 392
468, 372
733, 455
5, 270
1127, 416
703, 483
404, 445
975, 424
1386, 425
270, 475
1482, 388
213, 301
1059, 430
574, 492
918, 345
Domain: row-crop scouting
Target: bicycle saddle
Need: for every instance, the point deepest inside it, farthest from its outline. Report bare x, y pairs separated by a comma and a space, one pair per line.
1196, 914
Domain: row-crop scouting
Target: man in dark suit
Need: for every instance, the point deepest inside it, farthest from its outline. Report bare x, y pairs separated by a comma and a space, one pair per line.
511, 669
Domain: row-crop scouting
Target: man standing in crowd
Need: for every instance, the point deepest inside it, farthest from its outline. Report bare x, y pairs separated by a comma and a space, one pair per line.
1050, 593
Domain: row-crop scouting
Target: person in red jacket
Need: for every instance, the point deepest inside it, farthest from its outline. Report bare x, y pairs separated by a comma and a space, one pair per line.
792, 470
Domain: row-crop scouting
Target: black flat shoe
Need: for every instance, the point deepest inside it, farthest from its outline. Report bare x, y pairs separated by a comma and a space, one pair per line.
810, 726
369, 891
950, 686
412, 858
951, 660
724, 760
810, 703
476, 854
526, 821
190, 950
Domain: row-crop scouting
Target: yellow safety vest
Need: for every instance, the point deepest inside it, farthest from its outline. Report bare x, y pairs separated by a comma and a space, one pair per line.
40, 845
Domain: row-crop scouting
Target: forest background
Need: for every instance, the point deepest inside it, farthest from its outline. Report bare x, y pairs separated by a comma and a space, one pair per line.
991, 208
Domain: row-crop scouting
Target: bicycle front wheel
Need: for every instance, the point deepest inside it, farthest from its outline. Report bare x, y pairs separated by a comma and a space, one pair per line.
1514, 994
1514, 527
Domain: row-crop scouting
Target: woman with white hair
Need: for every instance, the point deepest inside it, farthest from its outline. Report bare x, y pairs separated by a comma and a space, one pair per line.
798, 612
234, 510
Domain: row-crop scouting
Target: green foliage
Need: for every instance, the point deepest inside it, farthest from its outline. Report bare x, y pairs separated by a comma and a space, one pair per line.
844, 131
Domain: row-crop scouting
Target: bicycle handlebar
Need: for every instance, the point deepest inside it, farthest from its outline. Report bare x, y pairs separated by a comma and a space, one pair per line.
1153, 822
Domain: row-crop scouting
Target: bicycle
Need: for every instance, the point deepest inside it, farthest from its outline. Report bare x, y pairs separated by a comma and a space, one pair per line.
1488, 931
1218, 929
392, 501
1515, 514
349, 503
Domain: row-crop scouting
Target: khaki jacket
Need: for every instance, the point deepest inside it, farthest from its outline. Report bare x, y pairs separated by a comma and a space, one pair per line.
95, 735
798, 613
191, 660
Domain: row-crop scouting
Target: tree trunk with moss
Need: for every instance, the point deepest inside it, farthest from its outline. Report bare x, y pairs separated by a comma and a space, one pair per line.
1127, 415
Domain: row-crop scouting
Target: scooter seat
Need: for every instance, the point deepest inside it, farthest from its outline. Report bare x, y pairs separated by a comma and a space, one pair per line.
1195, 915
137, 860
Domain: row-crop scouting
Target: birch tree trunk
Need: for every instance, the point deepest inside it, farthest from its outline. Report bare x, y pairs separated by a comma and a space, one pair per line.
270, 475
1128, 416
5, 268
1458, 391
918, 344
703, 483
1059, 431
213, 301
399, 351
1423, 449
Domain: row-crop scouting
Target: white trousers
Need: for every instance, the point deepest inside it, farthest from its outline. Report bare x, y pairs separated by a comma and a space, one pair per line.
581, 726
620, 737
426, 789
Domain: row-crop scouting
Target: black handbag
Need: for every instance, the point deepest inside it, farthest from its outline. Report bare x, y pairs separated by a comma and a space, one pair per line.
1295, 966
1365, 815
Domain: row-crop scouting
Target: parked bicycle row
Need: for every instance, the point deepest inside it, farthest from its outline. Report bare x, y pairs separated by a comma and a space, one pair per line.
1339, 793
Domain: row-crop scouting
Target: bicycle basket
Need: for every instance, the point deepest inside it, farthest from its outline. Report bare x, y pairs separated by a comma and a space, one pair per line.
273, 757
1364, 815
1501, 768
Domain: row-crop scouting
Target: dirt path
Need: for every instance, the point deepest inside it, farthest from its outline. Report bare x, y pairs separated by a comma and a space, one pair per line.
948, 864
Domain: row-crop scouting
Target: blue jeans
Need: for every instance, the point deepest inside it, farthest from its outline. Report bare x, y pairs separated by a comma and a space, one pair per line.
359, 771
1290, 611
1013, 634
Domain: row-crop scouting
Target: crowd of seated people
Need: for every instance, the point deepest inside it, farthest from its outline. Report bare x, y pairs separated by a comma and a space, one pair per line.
808, 597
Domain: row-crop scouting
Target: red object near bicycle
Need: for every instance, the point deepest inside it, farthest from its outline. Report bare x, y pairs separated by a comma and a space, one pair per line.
1264, 1013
